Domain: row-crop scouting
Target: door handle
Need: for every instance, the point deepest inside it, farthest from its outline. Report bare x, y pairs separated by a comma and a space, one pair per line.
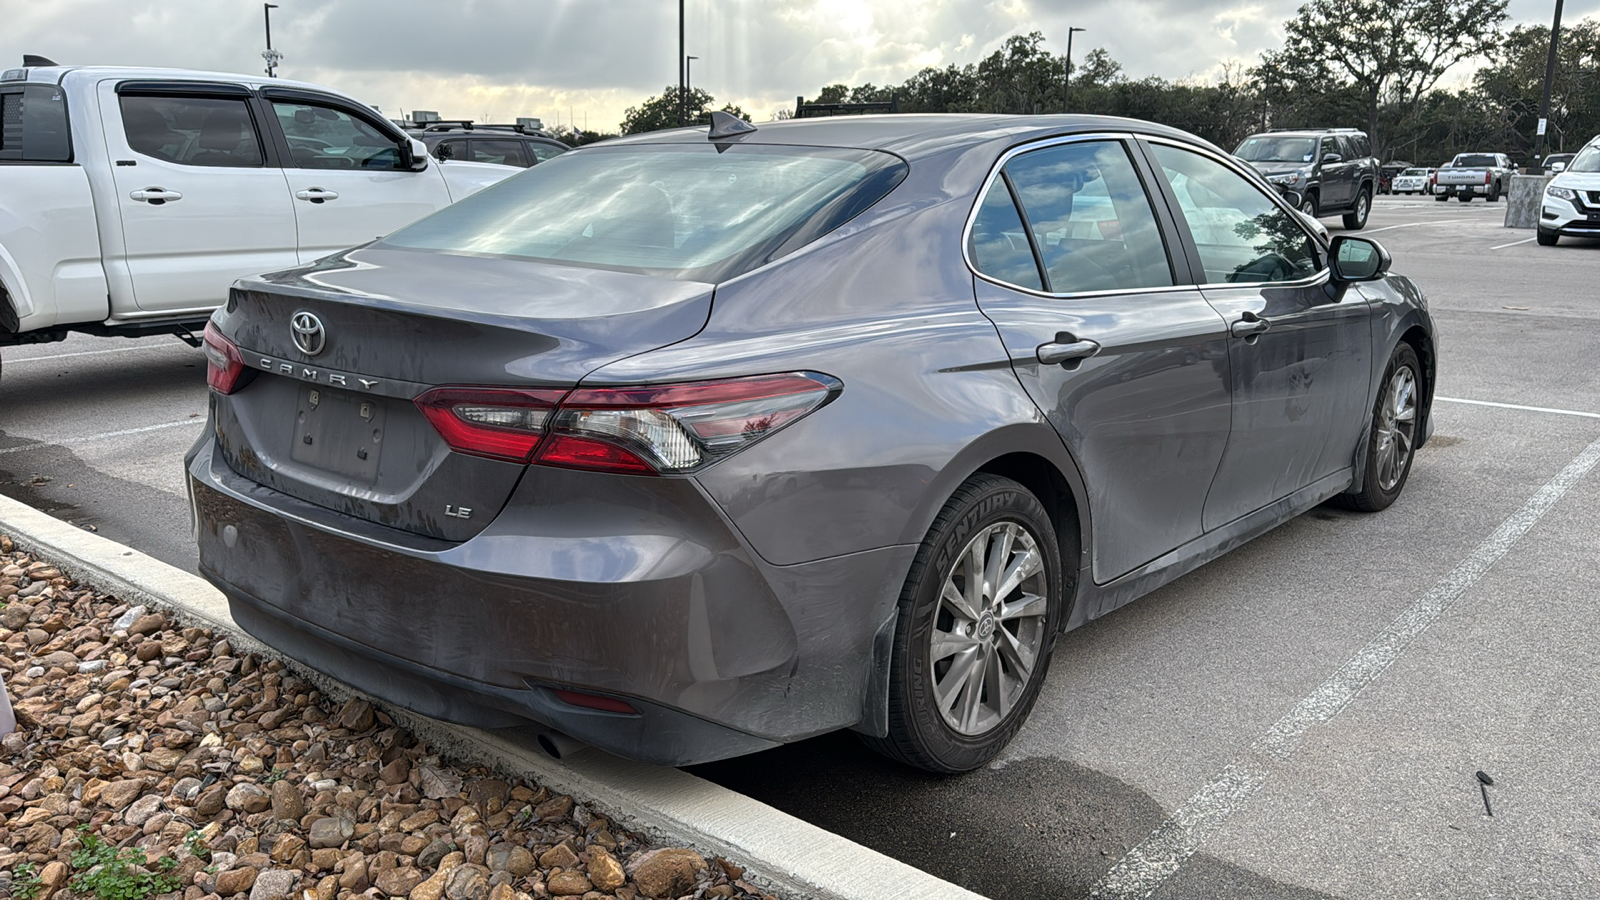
316, 195
1063, 352
155, 196
1249, 325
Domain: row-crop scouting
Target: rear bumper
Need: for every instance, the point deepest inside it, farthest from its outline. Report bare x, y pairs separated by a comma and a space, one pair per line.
607, 586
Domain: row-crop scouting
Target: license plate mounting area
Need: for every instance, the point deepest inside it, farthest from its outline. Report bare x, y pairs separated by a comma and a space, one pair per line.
338, 432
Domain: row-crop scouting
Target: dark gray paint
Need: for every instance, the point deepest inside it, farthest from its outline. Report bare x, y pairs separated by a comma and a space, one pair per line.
755, 597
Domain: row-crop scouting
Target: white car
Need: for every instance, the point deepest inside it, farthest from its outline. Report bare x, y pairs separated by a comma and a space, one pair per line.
130, 199
1413, 181
1572, 199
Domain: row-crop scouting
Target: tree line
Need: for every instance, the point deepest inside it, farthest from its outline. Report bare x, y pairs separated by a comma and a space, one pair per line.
1370, 64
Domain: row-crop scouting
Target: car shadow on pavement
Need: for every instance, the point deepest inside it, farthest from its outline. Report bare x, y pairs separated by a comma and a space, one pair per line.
1034, 828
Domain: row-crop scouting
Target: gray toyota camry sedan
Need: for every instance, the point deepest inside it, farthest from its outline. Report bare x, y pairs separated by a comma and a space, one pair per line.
694, 443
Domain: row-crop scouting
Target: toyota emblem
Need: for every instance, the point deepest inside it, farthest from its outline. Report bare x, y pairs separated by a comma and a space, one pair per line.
309, 335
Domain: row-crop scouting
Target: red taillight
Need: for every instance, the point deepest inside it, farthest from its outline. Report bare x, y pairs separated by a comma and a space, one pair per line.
224, 364
500, 423
594, 701
648, 430
1488, 177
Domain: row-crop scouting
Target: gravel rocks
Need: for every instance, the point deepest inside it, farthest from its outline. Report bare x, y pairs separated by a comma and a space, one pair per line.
161, 738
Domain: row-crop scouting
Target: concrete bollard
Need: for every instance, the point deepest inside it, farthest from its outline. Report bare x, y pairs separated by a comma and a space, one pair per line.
1522, 203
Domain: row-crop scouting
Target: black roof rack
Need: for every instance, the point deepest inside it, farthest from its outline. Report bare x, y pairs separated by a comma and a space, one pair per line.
804, 110
446, 125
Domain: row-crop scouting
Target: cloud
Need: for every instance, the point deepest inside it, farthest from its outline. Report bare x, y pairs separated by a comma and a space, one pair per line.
564, 58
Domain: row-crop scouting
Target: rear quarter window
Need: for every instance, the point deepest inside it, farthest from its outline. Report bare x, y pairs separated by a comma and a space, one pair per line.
33, 124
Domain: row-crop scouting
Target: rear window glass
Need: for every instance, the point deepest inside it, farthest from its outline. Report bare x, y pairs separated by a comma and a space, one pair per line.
191, 131
1478, 159
33, 124
684, 211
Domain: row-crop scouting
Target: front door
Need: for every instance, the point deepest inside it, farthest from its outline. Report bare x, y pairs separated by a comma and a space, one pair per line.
1128, 364
346, 180
1300, 352
201, 204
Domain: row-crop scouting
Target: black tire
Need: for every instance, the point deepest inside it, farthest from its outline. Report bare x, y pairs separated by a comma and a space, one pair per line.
1308, 204
1546, 238
1356, 219
919, 734
1441, 196
1375, 495
1494, 193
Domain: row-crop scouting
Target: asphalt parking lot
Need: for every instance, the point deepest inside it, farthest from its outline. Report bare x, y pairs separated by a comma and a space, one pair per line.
1301, 718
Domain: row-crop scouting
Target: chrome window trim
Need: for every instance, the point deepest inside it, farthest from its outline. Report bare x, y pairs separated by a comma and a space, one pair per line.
1251, 175
1041, 144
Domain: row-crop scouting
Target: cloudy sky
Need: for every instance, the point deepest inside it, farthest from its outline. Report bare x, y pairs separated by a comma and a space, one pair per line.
590, 59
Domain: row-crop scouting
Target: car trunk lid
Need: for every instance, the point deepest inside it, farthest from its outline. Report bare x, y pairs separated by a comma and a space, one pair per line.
336, 426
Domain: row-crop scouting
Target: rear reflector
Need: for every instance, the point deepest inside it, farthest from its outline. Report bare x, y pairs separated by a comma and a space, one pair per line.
224, 363
648, 430
499, 423
594, 701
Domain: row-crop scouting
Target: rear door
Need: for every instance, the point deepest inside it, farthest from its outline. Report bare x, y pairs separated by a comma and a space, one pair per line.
1127, 360
346, 179
1336, 190
1301, 355
200, 194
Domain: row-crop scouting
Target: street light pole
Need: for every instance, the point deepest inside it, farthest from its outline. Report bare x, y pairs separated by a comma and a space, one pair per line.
1549, 76
688, 74
1067, 82
271, 56
683, 75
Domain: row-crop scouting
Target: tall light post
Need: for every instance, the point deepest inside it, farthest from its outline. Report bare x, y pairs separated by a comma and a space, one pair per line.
271, 56
1066, 83
683, 72
1549, 76
688, 75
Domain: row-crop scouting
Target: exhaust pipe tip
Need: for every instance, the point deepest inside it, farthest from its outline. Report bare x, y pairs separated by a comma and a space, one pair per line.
560, 746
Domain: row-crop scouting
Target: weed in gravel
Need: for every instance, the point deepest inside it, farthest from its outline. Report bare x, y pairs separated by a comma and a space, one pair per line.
25, 883
112, 874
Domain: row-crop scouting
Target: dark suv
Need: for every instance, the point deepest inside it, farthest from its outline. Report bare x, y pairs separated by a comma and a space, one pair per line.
507, 145
1332, 170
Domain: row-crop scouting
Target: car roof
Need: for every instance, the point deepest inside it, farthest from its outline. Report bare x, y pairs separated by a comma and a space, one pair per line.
58, 74
913, 135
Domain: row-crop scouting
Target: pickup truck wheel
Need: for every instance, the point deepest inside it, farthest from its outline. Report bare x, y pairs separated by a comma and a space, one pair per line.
1441, 196
1356, 219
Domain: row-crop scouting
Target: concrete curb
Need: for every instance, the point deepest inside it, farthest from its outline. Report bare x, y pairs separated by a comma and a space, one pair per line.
782, 853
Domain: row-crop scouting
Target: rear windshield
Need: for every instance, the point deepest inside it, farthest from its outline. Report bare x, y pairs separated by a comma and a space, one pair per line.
1277, 149
33, 124
1474, 159
683, 211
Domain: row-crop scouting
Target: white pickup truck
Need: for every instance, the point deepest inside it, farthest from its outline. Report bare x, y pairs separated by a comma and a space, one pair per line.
1474, 174
130, 199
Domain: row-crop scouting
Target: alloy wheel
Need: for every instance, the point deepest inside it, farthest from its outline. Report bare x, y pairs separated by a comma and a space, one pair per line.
989, 628
1397, 427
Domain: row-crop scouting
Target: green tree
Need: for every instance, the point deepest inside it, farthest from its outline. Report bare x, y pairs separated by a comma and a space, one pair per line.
1389, 51
661, 111
1514, 84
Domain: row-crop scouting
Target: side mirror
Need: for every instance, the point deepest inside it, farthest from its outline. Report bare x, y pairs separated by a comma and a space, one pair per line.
1358, 259
1332, 158
414, 155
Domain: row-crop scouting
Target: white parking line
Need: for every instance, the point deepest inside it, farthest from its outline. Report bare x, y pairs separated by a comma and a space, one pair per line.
88, 438
1412, 225
1542, 409
1514, 243
27, 359
1146, 867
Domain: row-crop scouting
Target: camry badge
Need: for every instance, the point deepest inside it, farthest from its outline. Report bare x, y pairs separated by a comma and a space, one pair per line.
309, 335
